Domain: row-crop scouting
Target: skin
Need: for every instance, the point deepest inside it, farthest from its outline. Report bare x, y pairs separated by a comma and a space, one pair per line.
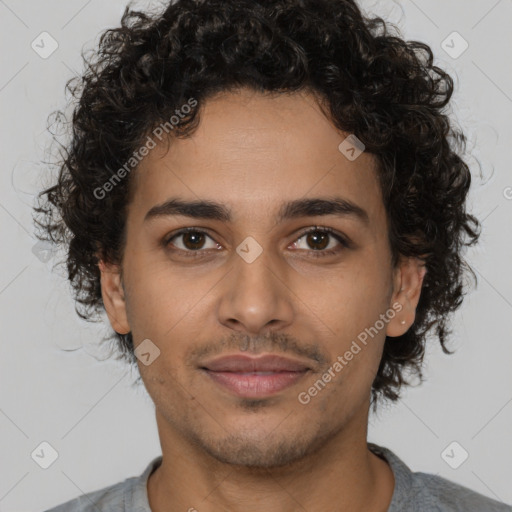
252, 152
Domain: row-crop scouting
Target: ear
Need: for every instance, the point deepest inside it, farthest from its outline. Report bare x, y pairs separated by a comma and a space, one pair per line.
407, 284
113, 296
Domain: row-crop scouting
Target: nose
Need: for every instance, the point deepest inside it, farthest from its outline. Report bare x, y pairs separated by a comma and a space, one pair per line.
256, 296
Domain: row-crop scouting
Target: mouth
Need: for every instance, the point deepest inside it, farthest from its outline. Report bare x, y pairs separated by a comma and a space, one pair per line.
250, 377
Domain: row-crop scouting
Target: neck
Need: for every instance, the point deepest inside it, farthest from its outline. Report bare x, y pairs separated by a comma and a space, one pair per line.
341, 472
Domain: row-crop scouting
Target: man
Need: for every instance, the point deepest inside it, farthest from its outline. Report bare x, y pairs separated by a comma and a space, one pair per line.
264, 199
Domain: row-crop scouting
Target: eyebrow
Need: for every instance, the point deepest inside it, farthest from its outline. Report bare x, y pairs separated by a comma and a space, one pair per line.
310, 207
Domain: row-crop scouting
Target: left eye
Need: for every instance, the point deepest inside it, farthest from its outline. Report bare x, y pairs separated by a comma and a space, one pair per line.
319, 239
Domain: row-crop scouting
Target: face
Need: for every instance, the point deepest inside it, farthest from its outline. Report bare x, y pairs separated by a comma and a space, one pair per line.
264, 271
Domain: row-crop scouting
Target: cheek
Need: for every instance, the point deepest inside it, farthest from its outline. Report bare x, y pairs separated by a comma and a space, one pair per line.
154, 301
171, 308
351, 306
351, 298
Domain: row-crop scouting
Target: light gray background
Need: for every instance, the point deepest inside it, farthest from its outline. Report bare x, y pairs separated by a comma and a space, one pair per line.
55, 390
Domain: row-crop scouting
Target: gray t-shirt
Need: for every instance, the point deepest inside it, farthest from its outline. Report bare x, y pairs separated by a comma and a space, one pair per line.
414, 492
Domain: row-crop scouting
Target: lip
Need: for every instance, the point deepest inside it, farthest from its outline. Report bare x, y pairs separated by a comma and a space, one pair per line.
252, 377
245, 364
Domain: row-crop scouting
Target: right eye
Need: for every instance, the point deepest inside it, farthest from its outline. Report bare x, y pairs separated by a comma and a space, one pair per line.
193, 240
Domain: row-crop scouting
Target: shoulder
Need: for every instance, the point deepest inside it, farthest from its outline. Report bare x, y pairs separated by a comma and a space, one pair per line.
130, 495
432, 492
108, 499
424, 492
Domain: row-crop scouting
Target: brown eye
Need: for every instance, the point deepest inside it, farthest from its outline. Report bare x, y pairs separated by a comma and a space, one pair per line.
320, 241
192, 241
317, 240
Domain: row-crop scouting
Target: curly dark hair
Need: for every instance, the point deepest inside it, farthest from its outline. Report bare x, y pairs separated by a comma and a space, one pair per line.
369, 81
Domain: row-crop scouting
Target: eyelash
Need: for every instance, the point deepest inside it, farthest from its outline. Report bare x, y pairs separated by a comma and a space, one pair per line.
315, 253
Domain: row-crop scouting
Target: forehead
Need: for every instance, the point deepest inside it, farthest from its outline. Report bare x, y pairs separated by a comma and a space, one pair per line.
252, 152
